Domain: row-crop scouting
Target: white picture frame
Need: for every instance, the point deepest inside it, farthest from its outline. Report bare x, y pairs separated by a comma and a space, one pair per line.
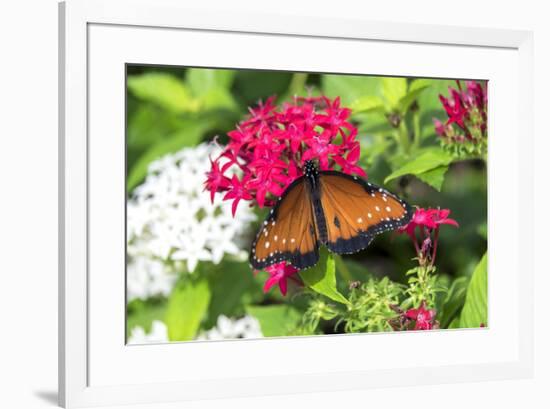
95, 368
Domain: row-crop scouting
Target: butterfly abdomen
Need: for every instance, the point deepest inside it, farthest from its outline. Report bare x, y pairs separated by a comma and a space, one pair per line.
314, 190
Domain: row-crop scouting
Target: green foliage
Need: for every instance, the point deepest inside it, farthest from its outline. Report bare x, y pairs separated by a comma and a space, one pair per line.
321, 278
189, 135
422, 287
186, 308
163, 89
430, 166
175, 113
275, 320
233, 288
453, 302
474, 313
317, 311
416, 89
371, 305
434, 177
143, 313
204, 80
368, 103
350, 88
394, 90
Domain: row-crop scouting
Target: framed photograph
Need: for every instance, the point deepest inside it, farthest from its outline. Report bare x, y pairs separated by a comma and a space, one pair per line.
320, 205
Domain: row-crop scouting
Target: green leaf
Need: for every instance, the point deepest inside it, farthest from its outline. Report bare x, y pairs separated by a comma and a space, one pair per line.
275, 320
211, 88
187, 306
474, 312
394, 89
146, 124
350, 87
434, 177
453, 302
427, 161
217, 98
322, 278
367, 103
455, 323
415, 89
188, 136
203, 80
163, 89
233, 287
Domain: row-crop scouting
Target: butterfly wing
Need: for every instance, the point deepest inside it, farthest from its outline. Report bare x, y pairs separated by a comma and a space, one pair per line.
356, 211
289, 232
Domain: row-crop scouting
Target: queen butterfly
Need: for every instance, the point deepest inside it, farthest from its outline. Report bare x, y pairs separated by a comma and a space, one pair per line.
340, 211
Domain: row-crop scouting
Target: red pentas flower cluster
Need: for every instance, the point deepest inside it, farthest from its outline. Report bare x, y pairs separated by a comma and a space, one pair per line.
424, 319
271, 146
278, 275
427, 223
465, 131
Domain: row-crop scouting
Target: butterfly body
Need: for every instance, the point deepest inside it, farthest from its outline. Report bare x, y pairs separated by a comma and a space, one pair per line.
330, 208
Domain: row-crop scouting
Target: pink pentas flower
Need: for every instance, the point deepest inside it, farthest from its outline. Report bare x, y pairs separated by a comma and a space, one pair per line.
271, 146
465, 131
424, 319
425, 223
215, 180
279, 274
441, 216
348, 164
320, 147
455, 108
237, 191
421, 217
429, 219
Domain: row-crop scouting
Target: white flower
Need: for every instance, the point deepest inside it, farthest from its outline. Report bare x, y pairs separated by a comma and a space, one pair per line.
147, 276
158, 334
172, 224
230, 328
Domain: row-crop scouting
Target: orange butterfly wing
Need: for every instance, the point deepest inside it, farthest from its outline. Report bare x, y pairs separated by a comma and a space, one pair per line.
289, 232
355, 211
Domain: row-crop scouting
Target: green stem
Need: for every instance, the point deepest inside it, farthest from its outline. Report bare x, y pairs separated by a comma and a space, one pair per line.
416, 125
403, 135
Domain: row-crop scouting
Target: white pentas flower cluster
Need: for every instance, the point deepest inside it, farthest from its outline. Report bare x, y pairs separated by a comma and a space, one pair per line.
231, 328
158, 334
172, 224
226, 328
